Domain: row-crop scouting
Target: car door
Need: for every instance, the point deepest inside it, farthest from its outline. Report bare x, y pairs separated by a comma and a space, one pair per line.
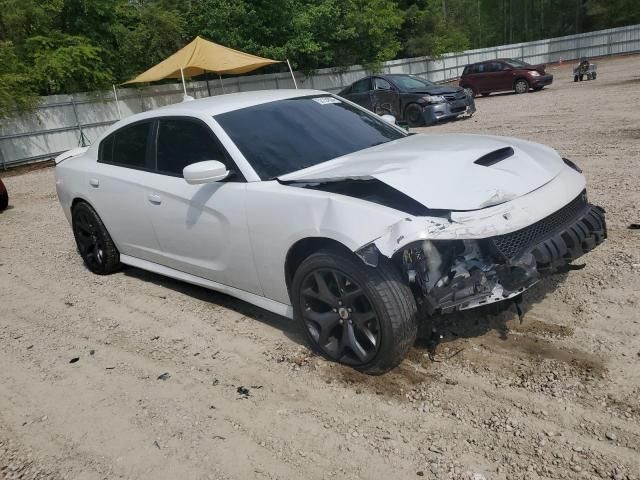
503, 76
201, 229
361, 93
385, 98
117, 189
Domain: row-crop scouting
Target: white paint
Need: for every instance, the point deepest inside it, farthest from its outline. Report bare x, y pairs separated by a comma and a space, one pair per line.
262, 302
234, 236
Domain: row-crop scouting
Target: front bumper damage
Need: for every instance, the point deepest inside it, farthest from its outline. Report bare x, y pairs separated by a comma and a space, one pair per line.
438, 112
450, 275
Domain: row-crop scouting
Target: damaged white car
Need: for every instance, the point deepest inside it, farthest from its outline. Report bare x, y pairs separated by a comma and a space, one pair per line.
309, 206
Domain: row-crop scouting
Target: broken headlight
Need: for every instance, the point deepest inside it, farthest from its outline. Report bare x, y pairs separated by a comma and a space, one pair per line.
434, 99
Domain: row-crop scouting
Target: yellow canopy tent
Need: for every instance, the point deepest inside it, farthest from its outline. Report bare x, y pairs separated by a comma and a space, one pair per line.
202, 56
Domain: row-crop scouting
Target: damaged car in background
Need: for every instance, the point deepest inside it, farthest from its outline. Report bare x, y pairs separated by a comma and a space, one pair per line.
311, 207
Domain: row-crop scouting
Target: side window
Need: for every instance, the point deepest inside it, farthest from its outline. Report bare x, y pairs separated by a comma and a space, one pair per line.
361, 86
381, 84
106, 149
183, 142
496, 67
127, 146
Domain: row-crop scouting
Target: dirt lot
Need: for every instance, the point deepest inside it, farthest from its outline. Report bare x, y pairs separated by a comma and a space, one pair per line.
554, 397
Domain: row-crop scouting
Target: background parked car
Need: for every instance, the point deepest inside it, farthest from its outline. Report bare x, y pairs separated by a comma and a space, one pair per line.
503, 75
4, 196
409, 98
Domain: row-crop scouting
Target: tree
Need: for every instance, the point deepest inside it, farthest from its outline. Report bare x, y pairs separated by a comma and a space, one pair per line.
17, 92
312, 33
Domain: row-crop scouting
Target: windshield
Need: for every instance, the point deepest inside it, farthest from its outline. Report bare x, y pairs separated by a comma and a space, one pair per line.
516, 63
409, 82
288, 135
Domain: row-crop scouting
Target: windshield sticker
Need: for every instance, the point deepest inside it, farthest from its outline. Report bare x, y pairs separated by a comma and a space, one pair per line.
326, 100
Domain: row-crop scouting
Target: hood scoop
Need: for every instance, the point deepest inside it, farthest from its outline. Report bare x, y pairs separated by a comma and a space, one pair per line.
494, 157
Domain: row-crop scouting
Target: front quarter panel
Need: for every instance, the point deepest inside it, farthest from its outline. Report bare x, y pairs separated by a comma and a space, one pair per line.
280, 215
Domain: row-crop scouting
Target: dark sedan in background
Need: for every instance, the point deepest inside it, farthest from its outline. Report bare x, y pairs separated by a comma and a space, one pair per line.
409, 98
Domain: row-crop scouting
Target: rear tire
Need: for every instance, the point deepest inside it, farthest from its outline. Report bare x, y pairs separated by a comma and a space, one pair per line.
362, 316
413, 115
521, 86
94, 243
4, 201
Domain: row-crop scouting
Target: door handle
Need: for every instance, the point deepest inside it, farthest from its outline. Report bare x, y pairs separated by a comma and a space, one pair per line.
155, 199
94, 182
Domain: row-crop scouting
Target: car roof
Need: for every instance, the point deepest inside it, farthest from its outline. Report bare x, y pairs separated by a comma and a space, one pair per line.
492, 60
218, 104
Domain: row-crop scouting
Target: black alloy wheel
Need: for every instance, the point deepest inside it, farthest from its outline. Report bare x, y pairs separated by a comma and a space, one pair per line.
94, 243
352, 313
339, 317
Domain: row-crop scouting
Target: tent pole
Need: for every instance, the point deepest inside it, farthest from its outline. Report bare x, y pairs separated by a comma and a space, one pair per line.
184, 86
115, 94
208, 76
292, 75
221, 84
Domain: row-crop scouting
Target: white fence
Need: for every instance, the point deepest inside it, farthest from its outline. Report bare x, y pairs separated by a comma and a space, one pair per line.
62, 122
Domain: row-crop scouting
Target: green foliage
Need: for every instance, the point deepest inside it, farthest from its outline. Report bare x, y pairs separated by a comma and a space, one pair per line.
311, 33
66, 46
17, 92
65, 63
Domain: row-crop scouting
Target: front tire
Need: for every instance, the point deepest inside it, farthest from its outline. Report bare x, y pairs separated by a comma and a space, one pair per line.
413, 115
94, 243
351, 313
521, 86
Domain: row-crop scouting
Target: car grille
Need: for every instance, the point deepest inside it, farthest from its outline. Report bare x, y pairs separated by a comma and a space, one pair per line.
455, 96
512, 244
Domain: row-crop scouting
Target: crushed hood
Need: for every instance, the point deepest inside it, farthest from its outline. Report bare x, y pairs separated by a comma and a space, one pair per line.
439, 171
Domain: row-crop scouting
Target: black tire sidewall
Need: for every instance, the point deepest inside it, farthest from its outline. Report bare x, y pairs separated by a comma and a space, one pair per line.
370, 280
407, 115
111, 255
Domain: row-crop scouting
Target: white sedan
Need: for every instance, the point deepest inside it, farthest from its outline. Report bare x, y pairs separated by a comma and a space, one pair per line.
307, 205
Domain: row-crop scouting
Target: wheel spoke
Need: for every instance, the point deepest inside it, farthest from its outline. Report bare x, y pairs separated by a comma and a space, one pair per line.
84, 241
348, 297
362, 318
349, 340
324, 293
325, 323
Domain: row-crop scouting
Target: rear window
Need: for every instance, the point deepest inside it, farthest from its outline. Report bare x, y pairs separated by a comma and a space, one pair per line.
127, 146
288, 135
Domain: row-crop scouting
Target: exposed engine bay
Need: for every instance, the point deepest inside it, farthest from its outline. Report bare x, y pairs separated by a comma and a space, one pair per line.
457, 275
449, 275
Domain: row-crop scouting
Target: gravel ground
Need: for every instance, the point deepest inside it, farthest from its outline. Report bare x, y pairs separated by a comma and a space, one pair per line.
174, 381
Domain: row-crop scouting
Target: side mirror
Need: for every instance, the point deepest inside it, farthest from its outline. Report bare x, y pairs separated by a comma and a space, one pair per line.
205, 172
389, 119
